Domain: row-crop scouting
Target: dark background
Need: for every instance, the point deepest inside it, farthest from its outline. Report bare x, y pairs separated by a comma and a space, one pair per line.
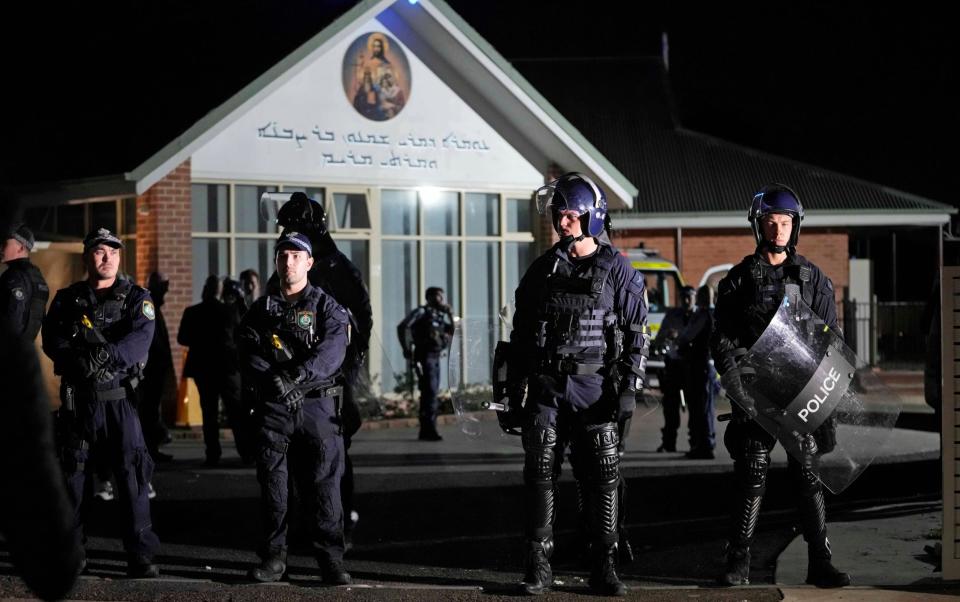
859, 88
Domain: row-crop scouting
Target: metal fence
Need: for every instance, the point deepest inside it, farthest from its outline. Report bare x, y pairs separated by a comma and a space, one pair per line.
888, 334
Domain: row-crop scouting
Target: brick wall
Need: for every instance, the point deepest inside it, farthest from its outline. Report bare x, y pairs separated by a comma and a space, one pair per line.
164, 245
826, 247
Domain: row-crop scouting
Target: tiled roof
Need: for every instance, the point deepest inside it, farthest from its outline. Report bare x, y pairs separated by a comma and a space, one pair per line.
624, 107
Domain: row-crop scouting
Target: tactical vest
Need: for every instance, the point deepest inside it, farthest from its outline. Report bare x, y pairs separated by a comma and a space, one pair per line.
575, 332
430, 331
294, 324
771, 283
106, 317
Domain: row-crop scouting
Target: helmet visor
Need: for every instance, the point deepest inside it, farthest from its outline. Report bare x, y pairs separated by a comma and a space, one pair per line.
568, 194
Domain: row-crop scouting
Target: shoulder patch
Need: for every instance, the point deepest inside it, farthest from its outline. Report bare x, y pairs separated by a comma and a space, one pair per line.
148, 310
18, 294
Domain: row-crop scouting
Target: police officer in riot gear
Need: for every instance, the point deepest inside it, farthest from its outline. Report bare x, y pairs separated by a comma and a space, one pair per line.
748, 298
98, 334
292, 344
337, 275
424, 335
23, 291
578, 351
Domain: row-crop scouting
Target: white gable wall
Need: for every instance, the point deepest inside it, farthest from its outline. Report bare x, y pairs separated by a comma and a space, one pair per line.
307, 131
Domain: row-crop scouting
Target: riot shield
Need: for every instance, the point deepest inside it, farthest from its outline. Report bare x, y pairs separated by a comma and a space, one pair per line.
270, 203
470, 369
805, 382
372, 388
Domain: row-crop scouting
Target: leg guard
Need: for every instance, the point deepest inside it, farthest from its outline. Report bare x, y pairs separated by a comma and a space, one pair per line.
539, 476
597, 452
750, 467
813, 523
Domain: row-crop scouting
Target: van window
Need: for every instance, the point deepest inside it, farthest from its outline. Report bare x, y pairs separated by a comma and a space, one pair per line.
662, 290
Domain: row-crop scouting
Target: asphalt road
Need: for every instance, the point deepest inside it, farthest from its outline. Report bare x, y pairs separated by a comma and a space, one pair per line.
444, 523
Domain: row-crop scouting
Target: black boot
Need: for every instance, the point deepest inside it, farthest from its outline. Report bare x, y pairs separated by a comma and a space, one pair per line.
333, 573
539, 575
141, 567
272, 568
820, 571
603, 572
738, 566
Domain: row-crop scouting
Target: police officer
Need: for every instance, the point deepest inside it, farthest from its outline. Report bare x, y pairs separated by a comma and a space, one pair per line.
23, 291
337, 275
672, 383
748, 298
292, 344
692, 347
98, 333
424, 334
578, 349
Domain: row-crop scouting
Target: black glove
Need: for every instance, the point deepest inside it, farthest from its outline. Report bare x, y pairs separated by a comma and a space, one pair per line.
737, 393
287, 391
91, 363
511, 419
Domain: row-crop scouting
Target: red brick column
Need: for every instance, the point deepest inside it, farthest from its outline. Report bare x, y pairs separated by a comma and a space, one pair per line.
164, 244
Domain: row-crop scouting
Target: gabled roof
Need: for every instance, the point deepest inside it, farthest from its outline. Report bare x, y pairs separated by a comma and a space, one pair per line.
625, 107
450, 48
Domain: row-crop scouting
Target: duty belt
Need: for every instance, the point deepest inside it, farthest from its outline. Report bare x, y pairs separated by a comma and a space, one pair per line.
570, 366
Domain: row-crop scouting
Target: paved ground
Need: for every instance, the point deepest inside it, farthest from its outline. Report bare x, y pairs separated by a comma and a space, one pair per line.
439, 521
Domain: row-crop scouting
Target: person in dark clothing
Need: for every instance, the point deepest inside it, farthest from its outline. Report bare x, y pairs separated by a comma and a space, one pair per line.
237, 398
98, 333
578, 352
36, 518
205, 329
693, 349
23, 290
333, 272
159, 379
672, 382
250, 284
424, 335
748, 298
292, 344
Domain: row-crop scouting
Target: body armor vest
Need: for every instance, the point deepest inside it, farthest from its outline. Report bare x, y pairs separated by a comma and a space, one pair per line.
430, 331
770, 284
107, 316
294, 324
576, 331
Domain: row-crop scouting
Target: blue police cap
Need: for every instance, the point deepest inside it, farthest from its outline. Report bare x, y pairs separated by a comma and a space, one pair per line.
101, 236
300, 242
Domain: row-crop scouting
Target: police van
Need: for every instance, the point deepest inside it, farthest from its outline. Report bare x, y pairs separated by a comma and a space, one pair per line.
663, 283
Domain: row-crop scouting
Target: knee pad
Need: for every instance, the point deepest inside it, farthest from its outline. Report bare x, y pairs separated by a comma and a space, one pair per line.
539, 445
751, 467
598, 455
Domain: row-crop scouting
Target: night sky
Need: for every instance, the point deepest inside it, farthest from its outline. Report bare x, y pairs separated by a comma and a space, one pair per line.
861, 89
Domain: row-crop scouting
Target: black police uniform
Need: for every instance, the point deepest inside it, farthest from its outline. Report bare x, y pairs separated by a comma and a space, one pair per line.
23, 297
117, 325
579, 341
747, 299
430, 329
693, 348
333, 272
304, 340
674, 321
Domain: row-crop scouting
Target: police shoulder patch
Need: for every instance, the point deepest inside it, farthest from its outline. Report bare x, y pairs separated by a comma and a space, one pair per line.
18, 294
305, 319
148, 310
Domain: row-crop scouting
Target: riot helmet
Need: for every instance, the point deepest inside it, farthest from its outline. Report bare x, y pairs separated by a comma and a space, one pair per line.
303, 213
574, 192
775, 198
